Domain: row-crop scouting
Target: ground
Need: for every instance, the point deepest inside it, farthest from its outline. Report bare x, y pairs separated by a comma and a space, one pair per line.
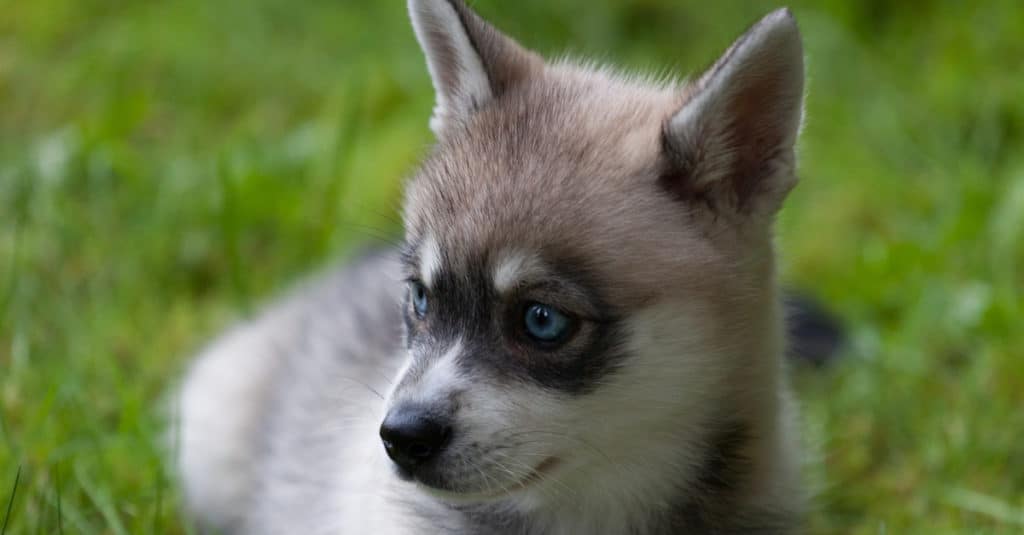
167, 166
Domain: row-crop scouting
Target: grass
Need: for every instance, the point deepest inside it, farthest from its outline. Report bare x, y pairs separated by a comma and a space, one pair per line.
167, 166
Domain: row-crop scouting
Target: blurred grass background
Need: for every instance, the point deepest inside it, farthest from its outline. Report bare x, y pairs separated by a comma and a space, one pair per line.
164, 166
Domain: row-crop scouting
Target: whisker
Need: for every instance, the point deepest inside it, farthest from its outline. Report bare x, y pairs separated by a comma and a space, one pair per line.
363, 384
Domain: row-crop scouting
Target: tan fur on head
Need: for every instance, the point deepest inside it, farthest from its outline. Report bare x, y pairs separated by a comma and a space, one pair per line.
568, 156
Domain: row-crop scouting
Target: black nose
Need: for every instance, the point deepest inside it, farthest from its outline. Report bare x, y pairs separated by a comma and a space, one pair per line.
413, 436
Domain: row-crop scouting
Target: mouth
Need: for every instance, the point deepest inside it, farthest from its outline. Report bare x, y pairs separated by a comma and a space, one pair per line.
534, 476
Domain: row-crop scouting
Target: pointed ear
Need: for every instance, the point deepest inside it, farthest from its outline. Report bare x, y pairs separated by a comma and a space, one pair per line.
470, 62
731, 144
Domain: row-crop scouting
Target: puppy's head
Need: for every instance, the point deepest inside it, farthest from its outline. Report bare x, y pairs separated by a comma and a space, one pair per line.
589, 263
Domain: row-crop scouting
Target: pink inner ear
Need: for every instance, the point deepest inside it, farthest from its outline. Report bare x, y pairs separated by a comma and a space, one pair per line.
761, 130
445, 59
731, 143
505, 60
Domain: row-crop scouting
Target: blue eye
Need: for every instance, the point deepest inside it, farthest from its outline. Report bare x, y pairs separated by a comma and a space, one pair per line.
419, 298
546, 324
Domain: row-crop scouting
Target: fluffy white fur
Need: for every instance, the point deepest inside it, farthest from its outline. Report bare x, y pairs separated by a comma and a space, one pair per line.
430, 260
514, 266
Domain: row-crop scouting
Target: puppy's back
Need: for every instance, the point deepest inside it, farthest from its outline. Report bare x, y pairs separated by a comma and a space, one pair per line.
324, 343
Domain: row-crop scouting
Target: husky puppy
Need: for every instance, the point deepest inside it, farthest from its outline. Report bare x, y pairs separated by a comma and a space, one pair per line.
582, 334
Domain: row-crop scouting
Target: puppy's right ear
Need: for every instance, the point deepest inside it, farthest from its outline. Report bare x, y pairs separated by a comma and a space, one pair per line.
470, 62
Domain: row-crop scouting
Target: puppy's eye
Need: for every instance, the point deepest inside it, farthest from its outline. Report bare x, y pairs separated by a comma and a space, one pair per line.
418, 296
546, 324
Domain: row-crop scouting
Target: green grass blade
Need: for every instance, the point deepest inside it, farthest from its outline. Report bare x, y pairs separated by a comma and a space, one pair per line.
10, 502
101, 500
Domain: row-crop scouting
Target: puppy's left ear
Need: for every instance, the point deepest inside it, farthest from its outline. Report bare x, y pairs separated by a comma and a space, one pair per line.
470, 62
731, 145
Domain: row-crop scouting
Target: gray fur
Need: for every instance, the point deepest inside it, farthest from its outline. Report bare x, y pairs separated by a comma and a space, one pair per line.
319, 358
643, 210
